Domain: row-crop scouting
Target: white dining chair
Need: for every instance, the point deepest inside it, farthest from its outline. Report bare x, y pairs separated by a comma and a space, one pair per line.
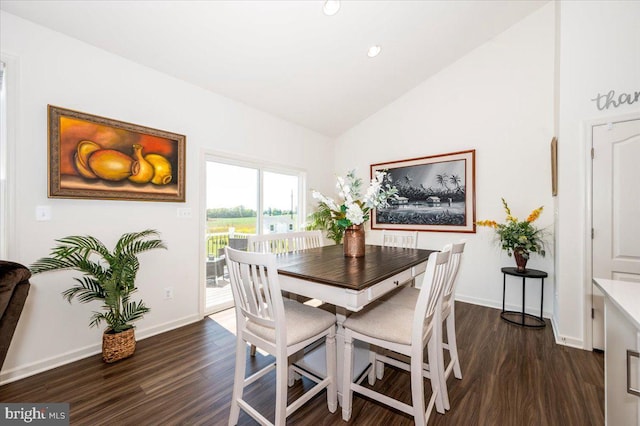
403, 239
408, 297
279, 326
449, 311
285, 242
404, 331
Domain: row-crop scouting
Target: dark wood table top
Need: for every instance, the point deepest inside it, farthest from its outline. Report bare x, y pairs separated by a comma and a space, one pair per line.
328, 265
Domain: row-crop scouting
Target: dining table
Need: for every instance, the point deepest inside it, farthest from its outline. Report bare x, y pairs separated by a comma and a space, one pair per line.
349, 284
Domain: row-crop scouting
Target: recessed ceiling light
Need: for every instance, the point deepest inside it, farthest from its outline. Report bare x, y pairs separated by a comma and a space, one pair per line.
373, 51
331, 7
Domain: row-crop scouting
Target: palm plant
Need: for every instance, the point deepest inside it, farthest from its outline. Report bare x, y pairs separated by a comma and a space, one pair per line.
322, 219
108, 276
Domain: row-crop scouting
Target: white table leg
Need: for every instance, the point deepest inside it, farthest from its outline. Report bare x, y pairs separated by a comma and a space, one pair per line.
341, 316
315, 361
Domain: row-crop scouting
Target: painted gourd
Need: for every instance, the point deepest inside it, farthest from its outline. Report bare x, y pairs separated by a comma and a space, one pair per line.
161, 167
81, 158
111, 165
142, 171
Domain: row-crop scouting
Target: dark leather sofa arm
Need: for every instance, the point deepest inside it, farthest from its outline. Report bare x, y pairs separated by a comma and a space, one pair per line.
14, 288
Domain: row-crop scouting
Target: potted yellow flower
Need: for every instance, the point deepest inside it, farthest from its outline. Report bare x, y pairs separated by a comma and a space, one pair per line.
519, 238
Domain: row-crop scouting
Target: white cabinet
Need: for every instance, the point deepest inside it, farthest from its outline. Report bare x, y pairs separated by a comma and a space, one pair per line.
622, 334
621, 407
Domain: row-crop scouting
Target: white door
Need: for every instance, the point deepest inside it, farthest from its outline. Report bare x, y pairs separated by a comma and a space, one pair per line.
615, 210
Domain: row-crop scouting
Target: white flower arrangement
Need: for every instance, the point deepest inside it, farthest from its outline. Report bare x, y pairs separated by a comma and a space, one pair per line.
355, 209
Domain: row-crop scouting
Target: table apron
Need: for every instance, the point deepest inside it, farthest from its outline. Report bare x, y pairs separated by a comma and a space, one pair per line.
352, 300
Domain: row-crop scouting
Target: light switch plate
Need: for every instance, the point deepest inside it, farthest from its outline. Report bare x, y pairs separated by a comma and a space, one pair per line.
43, 213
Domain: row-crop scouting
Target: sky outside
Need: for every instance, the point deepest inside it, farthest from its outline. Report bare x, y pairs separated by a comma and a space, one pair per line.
231, 186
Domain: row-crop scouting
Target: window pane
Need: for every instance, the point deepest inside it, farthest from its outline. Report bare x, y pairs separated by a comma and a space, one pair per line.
232, 206
232, 198
280, 203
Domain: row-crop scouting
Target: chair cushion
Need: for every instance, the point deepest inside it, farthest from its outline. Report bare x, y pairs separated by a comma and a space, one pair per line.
407, 297
302, 322
382, 320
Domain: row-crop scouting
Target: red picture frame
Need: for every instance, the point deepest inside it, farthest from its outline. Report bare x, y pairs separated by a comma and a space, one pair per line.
435, 194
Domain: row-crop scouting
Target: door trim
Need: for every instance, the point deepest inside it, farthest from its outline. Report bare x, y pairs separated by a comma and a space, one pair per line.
588, 261
208, 154
11, 129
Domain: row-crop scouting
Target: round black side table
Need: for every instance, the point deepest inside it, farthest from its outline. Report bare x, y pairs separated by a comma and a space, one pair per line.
522, 318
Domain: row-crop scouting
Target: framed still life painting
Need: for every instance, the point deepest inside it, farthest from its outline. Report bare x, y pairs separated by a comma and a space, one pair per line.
99, 158
435, 193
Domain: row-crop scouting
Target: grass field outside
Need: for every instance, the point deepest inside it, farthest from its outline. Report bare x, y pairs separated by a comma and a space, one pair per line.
244, 225
218, 229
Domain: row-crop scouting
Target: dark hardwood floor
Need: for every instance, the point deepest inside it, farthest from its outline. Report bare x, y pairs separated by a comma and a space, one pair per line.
511, 376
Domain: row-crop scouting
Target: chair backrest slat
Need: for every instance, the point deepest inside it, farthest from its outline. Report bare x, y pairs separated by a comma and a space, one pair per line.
430, 295
399, 239
455, 259
255, 287
284, 242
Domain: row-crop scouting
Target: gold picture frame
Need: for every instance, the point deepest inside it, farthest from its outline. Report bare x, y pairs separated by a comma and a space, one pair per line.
554, 166
94, 157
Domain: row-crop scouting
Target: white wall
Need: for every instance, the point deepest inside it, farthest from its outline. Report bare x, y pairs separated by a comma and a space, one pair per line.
497, 100
599, 51
55, 69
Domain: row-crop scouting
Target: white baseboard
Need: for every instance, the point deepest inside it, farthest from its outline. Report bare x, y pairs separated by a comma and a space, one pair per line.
560, 339
498, 305
572, 342
170, 325
27, 370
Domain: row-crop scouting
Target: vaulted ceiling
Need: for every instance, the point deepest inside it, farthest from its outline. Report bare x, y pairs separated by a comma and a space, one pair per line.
287, 57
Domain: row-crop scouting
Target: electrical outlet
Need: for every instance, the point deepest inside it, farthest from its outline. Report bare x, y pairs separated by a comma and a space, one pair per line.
168, 292
185, 213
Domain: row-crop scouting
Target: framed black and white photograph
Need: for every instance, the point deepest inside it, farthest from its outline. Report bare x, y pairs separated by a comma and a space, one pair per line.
435, 193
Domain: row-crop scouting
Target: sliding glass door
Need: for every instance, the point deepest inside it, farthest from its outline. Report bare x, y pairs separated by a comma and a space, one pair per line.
280, 201
243, 199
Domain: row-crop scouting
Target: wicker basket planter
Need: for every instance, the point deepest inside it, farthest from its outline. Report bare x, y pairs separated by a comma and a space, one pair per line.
118, 346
